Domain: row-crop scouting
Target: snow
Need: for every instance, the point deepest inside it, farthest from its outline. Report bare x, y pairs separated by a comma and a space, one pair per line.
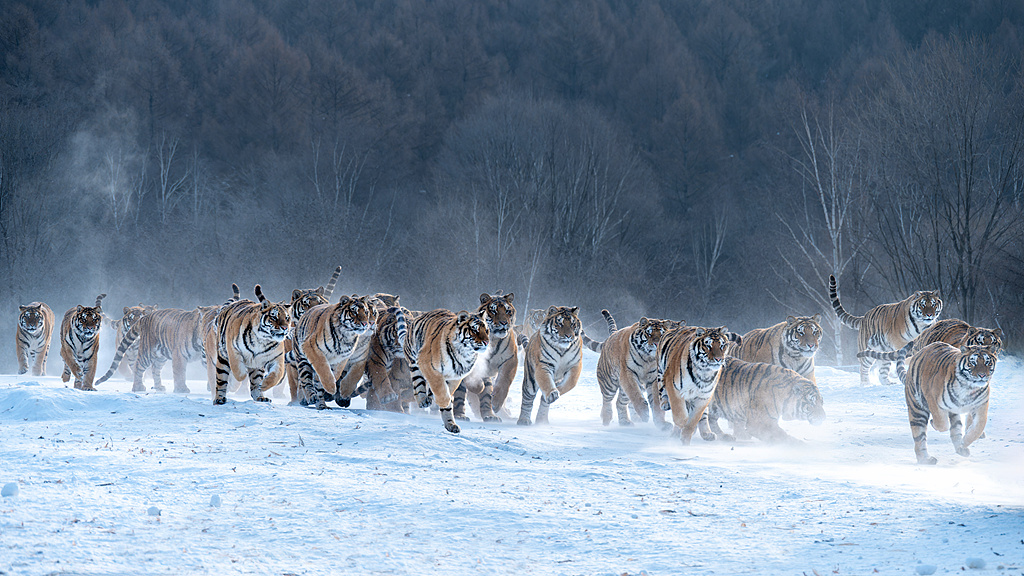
254, 488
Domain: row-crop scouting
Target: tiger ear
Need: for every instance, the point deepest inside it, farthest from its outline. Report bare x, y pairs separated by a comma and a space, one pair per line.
485, 298
344, 299
22, 308
643, 321
971, 331
79, 308
698, 333
463, 316
790, 320
575, 310
816, 318
296, 293
127, 310
998, 332
509, 297
320, 290
552, 310
722, 329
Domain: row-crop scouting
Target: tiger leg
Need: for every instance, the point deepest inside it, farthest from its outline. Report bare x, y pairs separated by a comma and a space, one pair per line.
442, 391
768, 430
158, 366
257, 376
221, 371
380, 383
92, 359
274, 375
23, 358
622, 407
917, 412
499, 390
609, 387
865, 368
313, 394
40, 366
705, 430
956, 435
883, 373
484, 399
634, 390
178, 365
713, 416
542, 410
530, 390
976, 425
459, 402
423, 393
141, 365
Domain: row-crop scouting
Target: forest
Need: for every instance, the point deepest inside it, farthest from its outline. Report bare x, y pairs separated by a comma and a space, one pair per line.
710, 161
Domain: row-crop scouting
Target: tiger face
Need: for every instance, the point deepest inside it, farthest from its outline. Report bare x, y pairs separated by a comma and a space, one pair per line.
649, 332
976, 364
709, 346
562, 325
388, 300
88, 320
303, 300
472, 331
926, 307
132, 314
498, 312
357, 314
805, 403
803, 334
30, 318
984, 337
274, 320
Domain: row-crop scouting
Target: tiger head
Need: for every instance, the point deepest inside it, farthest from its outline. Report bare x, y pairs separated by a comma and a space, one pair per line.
649, 332
355, 314
802, 334
30, 317
386, 300
88, 320
132, 314
498, 312
925, 307
471, 330
803, 402
275, 317
562, 325
976, 364
990, 338
303, 300
709, 345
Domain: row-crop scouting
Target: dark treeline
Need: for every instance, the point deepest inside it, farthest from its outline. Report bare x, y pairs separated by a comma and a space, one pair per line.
710, 161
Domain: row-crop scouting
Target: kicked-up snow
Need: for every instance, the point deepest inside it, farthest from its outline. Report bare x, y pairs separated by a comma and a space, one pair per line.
114, 482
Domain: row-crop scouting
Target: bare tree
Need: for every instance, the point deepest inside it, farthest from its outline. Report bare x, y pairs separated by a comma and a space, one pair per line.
708, 244
173, 183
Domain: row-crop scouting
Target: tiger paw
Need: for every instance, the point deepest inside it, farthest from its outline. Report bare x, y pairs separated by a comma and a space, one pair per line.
89, 388
138, 388
342, 401
321, 404
708, 436
159, 388
625, 422
963, 451
462, 417
665, 406
262, 399
552, 396
23, 370
492, 419
219, 401
452, 427
182, 390
524, 421
426, 402
929, 460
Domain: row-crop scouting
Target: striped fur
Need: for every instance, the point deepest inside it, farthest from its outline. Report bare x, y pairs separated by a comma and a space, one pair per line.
628, 368
791, 344
325, 337
753, 396
594, 345
689, 361
888, 327
249, 343
491, 377
164, 335
389, 382
80, 343
944, 382
554, 360
352, 382
441, 348
302, 300
132, 314
956, 332
32, 337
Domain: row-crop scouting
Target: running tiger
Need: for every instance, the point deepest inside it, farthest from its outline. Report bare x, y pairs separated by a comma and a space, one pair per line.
491, 377
944, 382
791, 344
132, 314
441, 348
958, 333
628, 368
249, 343
594, 345
164, 335
324, 340
386, 367
888, 327
303, 300
32, 338
352, 382
753, 396
80, 343
689, 362
553, 362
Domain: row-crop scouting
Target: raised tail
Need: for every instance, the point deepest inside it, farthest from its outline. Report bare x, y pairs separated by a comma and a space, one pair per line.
236, 294
844, 316
126, 342
333, 282
401, 330
100, 299
735, 338
259, 294
898, 356
591, 343
521, 340
612, 327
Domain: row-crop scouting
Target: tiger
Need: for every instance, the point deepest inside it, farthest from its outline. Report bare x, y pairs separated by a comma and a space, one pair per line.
554, 360
441, 347
533, 322
164, 335
80, 343
627, 367
249, 343
32, 338
959, 333
888, 327
491, 378
944, 382
791, 344
324, 340
132, 314
351, 382
753, 396
389, 380
594, 345
689, 360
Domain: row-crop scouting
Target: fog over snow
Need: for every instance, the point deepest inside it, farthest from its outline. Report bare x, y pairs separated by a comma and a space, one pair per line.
114, 482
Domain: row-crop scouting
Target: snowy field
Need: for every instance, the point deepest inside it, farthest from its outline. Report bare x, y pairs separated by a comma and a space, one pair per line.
347, 491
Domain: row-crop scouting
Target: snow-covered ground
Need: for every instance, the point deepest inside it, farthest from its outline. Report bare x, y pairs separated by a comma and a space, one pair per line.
347, 491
